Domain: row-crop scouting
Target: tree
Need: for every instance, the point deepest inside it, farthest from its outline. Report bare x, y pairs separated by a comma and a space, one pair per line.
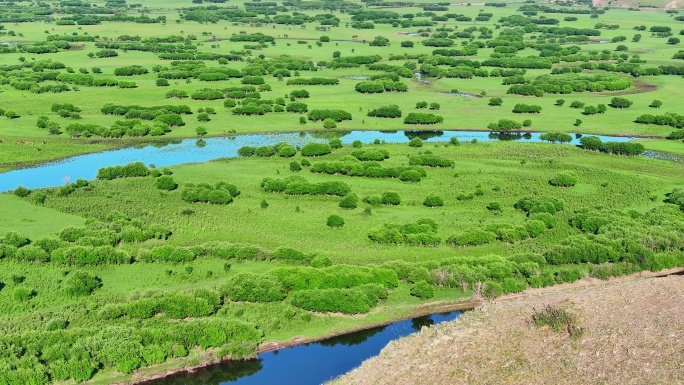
421, 105
656, 104
434, 106
203, 117
302, 120
526, 123
560, 102
201, 131
161, 82
673, 40
264, 204
554, 137
577, 104
407, 44
81, 283
494, 207
578, 122
21, 192
324, 39
495, 102
10, 114
335, 221
349, 202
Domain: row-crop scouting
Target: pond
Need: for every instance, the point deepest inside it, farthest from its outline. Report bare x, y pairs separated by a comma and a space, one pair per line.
313, 363
57, 173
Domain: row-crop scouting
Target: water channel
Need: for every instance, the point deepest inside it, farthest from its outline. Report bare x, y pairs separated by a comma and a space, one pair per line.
172, 153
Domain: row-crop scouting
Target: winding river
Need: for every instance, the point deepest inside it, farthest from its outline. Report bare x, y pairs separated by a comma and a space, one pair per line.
308, 364
57, 173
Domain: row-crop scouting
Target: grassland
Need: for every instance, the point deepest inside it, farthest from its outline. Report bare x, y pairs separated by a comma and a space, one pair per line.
458, 112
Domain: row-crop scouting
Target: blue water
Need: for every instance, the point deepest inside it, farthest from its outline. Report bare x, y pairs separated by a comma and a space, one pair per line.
309, 364
191, 150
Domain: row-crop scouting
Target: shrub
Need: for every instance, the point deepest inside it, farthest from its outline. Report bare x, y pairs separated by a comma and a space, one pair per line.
430, 160
390, 198
577, 104
21, 192
618, 102
23, 294
252, 287
433, 201
376, 155
422, 118
416, 142
286, 151
316, 149
329, 123
558, 319
422, 290
391, 111
472, 237
14, 239
521, 108
495, 102
335, 221
349, 202
165, 183
81, 284
564, 179
295, 166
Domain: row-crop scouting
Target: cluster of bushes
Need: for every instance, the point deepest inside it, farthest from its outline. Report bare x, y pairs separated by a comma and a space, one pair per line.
336, 115
355, 300
387, 198
553, 137
296, 185
421, 233
391, 111
369, 169
594, 143
422, 118
430, 160
316, 149
313, 81
220, 193
376, 155
174, 305
536, 204
667, 119
131, 170
504, 125
521, 108
504, 232
283, 150
380, 85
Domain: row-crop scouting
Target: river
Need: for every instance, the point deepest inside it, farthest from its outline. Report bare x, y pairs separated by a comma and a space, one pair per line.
53, 174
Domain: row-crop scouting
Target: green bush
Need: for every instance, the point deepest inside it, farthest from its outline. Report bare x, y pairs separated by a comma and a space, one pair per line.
81, 283
347, 301
416, 142
564, 179
165, 183
15, 239
349, 202
422, 290
390, 198
252, 287
21, 192
335, 221
433, 201
23, 294
316, 149
472, 237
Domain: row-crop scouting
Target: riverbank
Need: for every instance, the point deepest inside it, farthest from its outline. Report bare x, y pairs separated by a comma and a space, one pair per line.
631, 332
152, 373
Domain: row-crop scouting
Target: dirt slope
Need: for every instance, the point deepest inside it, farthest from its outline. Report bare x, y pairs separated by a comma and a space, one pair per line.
633, 334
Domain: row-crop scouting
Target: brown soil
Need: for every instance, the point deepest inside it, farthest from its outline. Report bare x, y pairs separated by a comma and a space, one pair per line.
633, 333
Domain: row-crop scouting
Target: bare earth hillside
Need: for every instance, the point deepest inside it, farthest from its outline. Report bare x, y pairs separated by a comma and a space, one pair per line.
633, 333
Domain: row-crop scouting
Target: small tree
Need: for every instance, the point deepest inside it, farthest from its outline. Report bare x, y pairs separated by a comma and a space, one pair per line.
656, 104
81, 283
560, 102
578, 122
350, 201
21, 192
526, 123
618, 102
302, 120
421, 105
335, 221
494, 207
564, 179
434, 106
673, 40
264, 204
10, 114
201, 131
203, 117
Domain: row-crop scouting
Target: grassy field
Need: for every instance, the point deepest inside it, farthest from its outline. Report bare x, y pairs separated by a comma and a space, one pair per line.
458, 112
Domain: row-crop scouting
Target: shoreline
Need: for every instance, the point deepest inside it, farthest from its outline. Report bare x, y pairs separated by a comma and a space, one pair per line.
270, 346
